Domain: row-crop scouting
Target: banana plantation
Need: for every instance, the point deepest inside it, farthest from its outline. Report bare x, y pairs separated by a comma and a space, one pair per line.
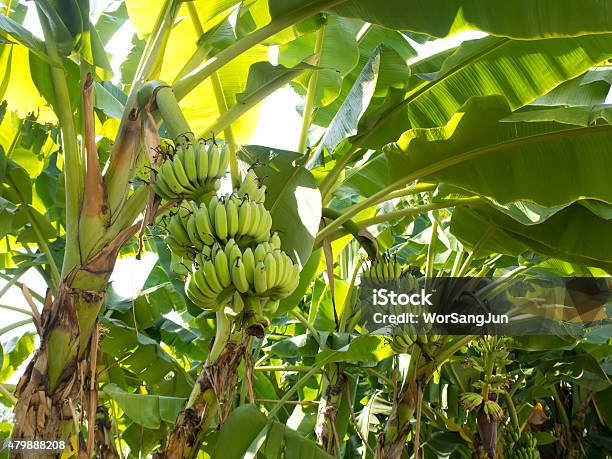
435, 141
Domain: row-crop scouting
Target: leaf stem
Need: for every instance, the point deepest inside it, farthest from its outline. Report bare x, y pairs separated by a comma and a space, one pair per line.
73, 169
304, 321
511, 410
329, 229
12, 281
250, 101
187, 84
227, 131
16, 309
311, 94
477, 248
220, 99
431, 253
285, 398
15, 325
7, 394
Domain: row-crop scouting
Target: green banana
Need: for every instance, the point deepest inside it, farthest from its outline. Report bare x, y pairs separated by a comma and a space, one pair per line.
275, 240
232, 217
260, 252
181, 175
221, 222
196, 295
203, 227
162, 189
223, 160
202, 164
167, 175
190, 164
270, 267
178, 231
222, 269
193, 233
248, 259
244, 218
260, 278
213, 161
202, 284
239, 276
256, 220
208, 268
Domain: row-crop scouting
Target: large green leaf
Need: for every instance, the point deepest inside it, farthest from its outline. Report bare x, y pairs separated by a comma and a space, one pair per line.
306, 276
248, 430
292, 198
339, 55
517, 19
591, 88
258, 13
393, 71
264, 78
578, 116
23, 36
64, 27
549, 164
14, 352
200, 105
365, 179
344, 124
148, 411
519, 70
573, 234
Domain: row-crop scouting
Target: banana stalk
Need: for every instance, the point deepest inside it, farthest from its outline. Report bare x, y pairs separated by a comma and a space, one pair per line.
211, 395
327, 426
393, 440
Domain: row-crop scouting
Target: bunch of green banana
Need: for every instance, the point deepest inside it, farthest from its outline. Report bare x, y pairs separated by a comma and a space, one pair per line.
196, 226
240, 219
383, 270
471, 400
193, 171
221, 270
251, 189
512, 436
269, 272
525, 448
210, 284
493, 410
401, 343
178, 238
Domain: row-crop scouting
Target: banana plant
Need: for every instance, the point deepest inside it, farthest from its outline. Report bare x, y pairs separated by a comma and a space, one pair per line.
444, 162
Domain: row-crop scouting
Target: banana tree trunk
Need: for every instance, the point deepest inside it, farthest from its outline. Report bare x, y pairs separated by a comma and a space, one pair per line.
327, 413
59, 388
59, 384
393, 440
213, 394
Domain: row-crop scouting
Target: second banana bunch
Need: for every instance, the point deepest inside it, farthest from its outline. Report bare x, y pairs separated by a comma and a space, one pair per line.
225, 240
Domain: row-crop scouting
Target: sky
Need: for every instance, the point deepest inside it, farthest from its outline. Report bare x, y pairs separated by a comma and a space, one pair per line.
279, 127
